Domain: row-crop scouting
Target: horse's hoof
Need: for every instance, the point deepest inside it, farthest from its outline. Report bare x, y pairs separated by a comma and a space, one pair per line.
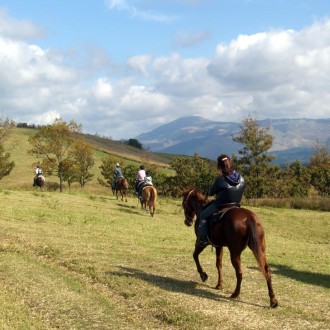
204, 277
219, 287
234, 296
274, 304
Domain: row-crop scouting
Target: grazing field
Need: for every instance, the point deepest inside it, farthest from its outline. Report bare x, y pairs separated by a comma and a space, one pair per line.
83, 260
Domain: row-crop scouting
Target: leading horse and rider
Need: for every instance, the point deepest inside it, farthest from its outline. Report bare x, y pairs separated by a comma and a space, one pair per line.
39, 179
117, 174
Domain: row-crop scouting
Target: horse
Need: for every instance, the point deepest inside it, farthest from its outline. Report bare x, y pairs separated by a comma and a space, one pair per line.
149, 197
121, 186
40, 182
236, 229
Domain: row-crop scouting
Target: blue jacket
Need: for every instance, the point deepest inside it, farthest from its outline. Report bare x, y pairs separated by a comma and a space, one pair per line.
117, 173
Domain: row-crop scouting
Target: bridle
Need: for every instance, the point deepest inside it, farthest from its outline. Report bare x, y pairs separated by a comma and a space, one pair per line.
189, 220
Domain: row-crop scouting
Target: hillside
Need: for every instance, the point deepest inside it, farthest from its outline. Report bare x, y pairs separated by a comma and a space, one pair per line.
293, 138
23, 172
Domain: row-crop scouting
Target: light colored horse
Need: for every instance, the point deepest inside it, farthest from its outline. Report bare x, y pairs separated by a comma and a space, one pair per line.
148, 198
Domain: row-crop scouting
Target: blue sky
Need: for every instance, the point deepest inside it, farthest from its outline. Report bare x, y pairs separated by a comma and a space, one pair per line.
123, 67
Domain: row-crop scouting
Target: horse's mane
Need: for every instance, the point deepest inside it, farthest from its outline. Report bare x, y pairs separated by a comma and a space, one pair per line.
195, 192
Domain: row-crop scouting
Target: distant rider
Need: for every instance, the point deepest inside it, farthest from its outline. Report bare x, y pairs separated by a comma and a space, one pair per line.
117, 174
38, 172
140, 176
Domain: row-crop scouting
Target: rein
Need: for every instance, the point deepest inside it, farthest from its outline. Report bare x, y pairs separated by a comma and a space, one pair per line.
191, 209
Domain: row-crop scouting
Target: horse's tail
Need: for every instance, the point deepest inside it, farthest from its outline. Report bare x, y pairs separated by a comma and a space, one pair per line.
152, 200
256, 241
126, 185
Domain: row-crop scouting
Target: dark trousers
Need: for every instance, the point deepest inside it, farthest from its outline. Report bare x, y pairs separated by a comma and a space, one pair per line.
203, 218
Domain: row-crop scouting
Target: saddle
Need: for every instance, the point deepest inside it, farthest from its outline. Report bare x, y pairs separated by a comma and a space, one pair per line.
142, 186
120, 177
217, 217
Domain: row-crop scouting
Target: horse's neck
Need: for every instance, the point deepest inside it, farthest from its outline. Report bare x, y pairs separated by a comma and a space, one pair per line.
198, 204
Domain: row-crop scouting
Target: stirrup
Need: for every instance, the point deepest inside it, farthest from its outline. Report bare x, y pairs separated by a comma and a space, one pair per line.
203, 241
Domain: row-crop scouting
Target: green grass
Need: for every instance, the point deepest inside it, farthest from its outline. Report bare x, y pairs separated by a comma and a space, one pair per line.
84, 260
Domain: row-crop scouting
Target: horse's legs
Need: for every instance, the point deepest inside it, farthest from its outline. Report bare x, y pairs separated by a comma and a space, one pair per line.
273, 300
202, 274
218, 263
236, 262
151, 207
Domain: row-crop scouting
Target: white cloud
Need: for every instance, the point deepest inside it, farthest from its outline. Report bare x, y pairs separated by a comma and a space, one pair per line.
20, 30
279, 73
103, 90
186, 40
133, 11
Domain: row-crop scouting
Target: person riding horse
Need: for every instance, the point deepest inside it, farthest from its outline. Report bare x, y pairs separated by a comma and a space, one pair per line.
145, 183
117, 174
140, 176
228, 188
38, 172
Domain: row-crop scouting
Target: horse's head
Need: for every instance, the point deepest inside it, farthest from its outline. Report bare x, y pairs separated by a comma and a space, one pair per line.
192, 201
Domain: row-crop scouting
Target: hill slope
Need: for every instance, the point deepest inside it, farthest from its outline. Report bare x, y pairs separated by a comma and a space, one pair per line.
23, 172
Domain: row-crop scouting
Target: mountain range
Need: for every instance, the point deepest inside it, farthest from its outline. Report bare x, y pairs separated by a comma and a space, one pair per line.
293, 138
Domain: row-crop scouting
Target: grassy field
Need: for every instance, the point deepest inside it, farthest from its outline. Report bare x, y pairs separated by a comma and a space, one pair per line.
84, 260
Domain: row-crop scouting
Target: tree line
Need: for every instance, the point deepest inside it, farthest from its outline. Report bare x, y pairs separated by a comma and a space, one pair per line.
62, 151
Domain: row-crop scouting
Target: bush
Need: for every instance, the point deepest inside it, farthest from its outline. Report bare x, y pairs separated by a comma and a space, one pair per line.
317, 203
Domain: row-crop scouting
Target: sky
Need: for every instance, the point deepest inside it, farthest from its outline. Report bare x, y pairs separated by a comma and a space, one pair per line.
121, 68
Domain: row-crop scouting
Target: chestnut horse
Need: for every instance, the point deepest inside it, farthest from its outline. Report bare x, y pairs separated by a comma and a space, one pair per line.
121, 186
237, 228
148, 198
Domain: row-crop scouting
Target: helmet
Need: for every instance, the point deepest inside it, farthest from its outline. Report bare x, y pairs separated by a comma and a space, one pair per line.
142, 167
117, 165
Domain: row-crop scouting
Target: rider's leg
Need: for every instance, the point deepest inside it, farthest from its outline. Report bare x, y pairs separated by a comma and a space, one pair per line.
202, 230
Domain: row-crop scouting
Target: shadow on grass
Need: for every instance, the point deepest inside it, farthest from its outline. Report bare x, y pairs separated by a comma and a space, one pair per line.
302, 276
175, 285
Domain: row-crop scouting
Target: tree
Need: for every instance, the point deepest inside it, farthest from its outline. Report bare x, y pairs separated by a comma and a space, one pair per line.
83, 161
6, 165
297, 179
319, 167
254, 163
135, 143
53, 144
192, 172
107, 167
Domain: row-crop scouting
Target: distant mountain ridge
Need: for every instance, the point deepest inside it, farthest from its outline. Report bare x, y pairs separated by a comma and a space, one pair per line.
293, 138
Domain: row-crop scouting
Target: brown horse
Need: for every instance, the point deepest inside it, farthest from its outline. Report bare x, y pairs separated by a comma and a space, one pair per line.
39, 182
121, 186
149, 197
237, 229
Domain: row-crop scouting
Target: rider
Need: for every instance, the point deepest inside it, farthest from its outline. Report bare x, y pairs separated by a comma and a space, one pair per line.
117, 173
148, 179
140, 176
38, 172
228, 188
